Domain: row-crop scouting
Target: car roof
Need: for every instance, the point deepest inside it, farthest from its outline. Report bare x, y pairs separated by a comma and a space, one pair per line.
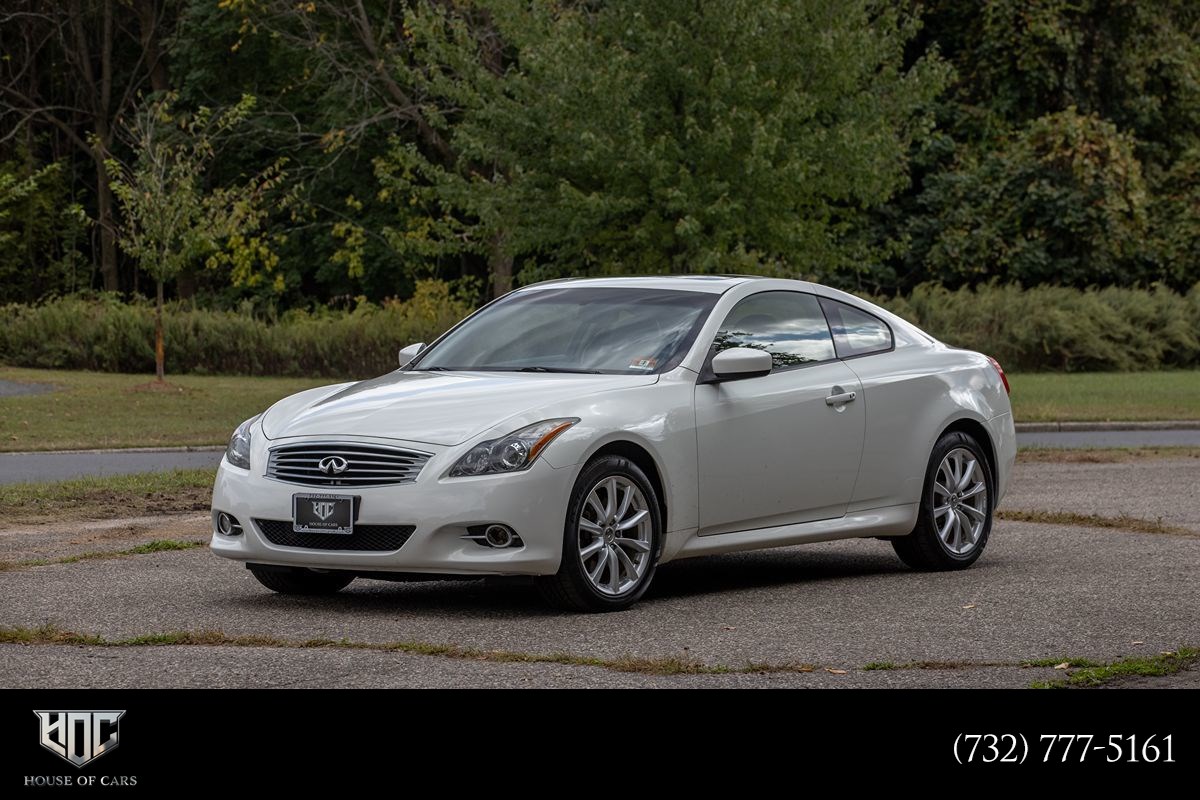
713, 284
719, 284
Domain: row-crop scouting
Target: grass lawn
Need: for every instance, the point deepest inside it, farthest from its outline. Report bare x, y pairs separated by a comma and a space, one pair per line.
144, 494
94, 409
91, 409
1103, 396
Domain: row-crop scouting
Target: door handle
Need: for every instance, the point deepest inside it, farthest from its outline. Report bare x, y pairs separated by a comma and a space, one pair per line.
840, 399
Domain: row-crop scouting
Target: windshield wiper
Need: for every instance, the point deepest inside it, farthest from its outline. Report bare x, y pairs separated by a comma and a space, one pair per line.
508, 369
561, 369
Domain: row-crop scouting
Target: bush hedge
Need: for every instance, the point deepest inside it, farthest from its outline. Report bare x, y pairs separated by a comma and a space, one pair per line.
1051, 328
1044, 328
110, 336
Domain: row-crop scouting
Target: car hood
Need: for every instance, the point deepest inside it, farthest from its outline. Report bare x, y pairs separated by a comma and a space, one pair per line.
441, 408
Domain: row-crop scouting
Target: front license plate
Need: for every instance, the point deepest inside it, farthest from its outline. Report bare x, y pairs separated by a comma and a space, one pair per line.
323, 513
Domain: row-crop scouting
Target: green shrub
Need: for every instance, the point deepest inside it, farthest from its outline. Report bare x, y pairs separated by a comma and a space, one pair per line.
1063, 329
110, 336
1045, 328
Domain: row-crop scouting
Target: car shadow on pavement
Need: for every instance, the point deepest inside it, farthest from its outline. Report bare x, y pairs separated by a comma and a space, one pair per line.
514, 597
764, 569
498, 598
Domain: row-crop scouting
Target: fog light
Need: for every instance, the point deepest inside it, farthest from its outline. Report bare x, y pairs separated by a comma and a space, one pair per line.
228, 525
498, 536
494, 535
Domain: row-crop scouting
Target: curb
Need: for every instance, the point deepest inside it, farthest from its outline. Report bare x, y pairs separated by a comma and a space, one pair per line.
1067, 427
215, 448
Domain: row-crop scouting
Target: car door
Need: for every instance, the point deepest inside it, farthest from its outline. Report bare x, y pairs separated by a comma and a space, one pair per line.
897, 386
784, 447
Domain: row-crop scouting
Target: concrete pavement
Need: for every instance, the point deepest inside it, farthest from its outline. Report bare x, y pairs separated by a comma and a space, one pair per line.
1040, 591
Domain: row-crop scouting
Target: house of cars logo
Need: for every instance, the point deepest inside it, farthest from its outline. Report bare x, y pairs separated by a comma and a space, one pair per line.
333, 465
323, 509
79, 736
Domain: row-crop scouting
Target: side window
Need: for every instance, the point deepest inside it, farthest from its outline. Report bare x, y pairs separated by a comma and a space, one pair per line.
856, 332
788, 325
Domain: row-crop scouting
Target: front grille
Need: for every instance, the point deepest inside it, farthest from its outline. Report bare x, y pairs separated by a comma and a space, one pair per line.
361, 464
378, 538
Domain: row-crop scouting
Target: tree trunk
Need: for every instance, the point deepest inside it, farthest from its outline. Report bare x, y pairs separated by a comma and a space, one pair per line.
500, 267
156, 65
108, 237
159, 371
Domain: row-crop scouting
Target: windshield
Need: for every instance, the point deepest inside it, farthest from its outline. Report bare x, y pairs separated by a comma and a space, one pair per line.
617, 331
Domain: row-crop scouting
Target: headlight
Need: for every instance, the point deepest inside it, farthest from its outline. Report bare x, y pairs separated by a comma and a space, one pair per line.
238, 451
511, 453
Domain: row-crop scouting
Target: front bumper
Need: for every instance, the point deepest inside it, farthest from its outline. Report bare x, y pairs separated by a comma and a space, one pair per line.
532, 502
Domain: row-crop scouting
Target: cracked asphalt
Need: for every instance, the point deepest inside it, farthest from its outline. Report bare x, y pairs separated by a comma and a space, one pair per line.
1039, 592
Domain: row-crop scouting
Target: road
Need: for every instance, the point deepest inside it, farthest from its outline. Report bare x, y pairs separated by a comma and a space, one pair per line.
22, 467
1056, 592
28, 467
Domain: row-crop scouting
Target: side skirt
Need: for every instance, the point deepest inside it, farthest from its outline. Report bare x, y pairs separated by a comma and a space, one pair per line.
889, 521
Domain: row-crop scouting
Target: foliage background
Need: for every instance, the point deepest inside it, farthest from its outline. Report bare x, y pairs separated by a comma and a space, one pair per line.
915, 151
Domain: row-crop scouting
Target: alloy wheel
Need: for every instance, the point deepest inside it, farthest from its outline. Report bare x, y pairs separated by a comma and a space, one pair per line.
960, 501
614, 536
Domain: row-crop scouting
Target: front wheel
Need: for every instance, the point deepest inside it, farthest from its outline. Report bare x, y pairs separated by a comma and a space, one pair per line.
956, 508
611, 539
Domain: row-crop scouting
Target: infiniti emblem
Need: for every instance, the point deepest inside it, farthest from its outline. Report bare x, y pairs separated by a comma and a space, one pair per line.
333, 465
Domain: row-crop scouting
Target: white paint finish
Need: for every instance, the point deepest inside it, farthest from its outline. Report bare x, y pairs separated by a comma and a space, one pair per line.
891, 521
441, 510
442, 408
740, 362
407, 354
1004, 440
911, 396
772, 452
661, 419
758, 462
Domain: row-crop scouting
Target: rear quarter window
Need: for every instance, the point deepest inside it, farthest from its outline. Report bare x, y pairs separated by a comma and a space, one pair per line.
856, 332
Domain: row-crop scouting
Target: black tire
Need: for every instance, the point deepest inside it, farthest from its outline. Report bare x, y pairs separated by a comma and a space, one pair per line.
924, 549
300, 581
570, 589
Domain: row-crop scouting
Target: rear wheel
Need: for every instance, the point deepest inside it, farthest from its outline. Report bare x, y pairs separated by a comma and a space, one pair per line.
955, 519
611, 539
300, 581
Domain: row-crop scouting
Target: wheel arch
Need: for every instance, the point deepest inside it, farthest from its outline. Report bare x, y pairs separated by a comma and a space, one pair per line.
979, 432
646, 462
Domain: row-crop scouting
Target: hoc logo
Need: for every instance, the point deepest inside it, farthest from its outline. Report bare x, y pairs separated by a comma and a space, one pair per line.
323, 509
79, 736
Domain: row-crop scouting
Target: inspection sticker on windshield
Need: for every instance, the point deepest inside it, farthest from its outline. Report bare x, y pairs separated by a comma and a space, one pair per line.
644, 363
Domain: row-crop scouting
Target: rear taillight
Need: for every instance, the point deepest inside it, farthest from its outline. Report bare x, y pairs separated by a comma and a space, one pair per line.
1000, 370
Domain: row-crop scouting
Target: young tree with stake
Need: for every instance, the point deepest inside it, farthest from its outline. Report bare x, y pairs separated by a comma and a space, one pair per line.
171, 217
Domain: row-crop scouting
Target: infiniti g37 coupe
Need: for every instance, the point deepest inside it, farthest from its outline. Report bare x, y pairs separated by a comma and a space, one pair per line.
585, 431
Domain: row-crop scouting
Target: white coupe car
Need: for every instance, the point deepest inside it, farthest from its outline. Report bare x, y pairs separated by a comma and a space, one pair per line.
585, 431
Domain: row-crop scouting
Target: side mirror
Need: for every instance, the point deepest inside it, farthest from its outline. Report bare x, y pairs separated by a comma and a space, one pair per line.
410, 352
737, 363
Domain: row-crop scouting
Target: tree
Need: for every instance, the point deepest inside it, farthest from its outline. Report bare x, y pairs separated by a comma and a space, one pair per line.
360, 54
76, 67
1062, 201
658, 136
14, 188
1066, 147
171, 218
